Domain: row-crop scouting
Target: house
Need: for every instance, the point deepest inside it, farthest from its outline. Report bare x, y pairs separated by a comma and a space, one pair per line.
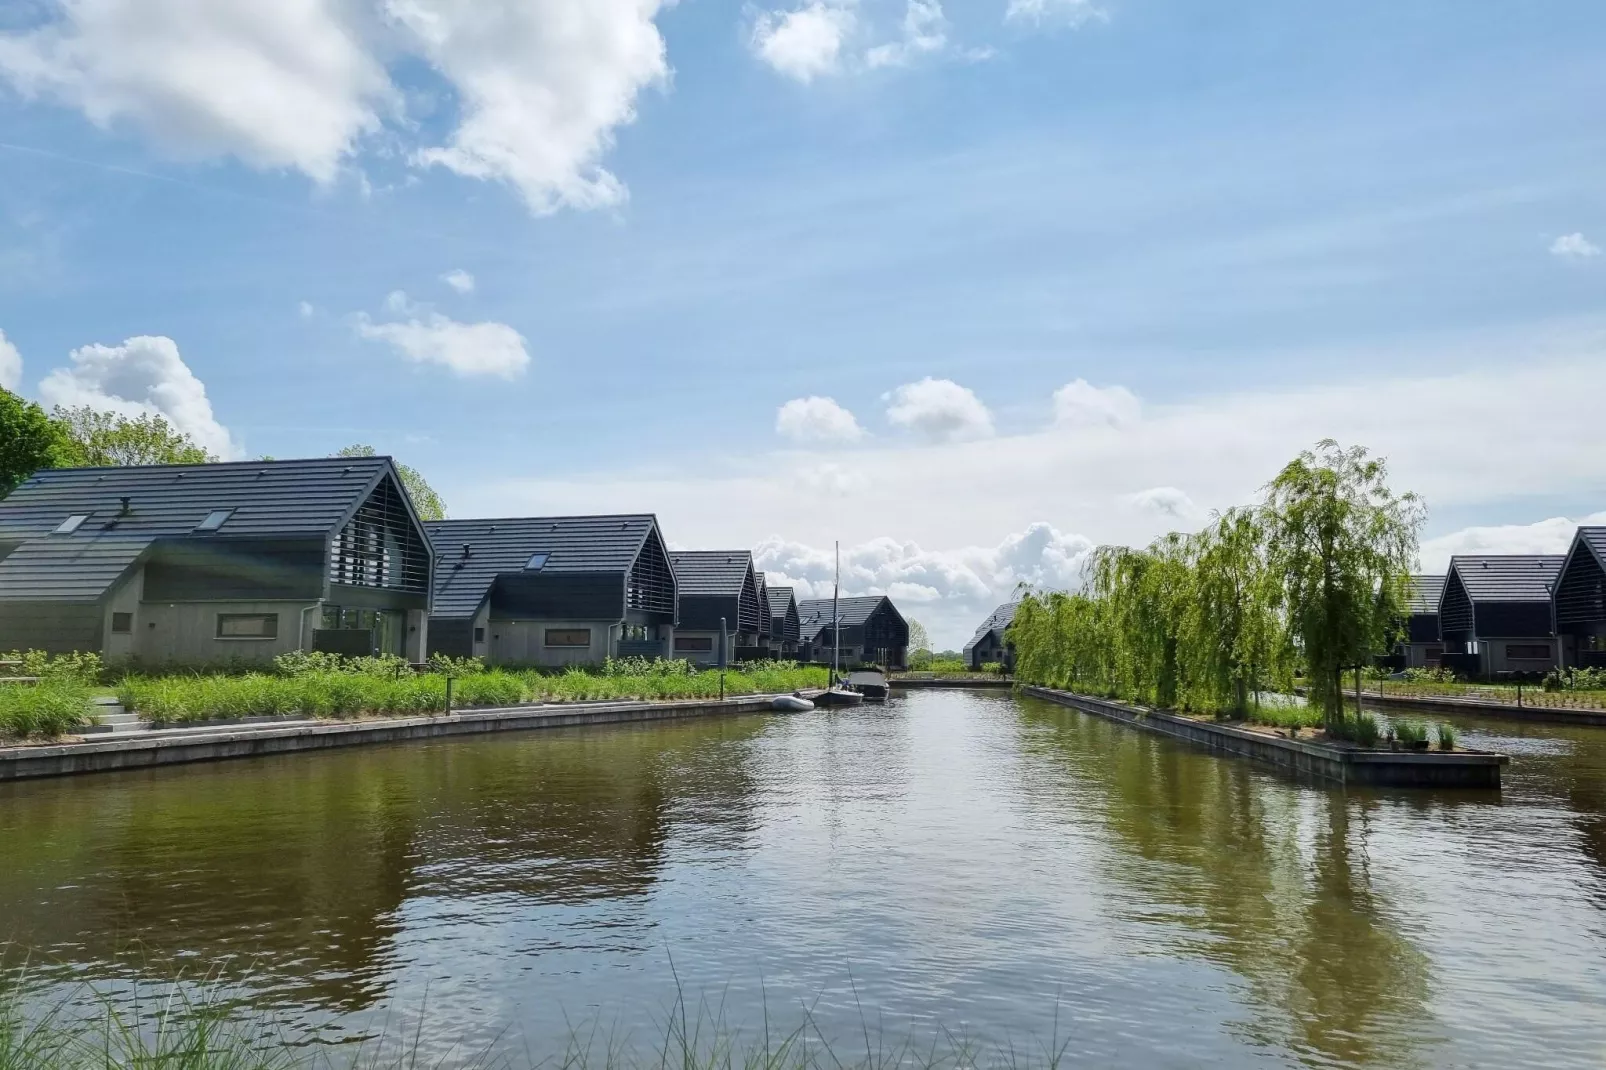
762, 650
215, 563
784, 623
556, 590
988, 645
872, 631
1496, 613
1421, 647
716, 585
1581, 601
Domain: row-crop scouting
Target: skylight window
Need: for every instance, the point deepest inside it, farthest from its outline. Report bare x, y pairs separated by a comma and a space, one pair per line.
72, 524
536, 563
214, 520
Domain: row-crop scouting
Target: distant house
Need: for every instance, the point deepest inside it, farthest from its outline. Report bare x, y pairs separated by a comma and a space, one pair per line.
988, 645
715, 585
762, 649
1496, 613
215, 563
1422, 646
872, 631
1581, 601
784, 623
561, 590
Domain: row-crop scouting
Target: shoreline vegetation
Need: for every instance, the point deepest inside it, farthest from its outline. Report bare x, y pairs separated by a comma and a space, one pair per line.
328, 686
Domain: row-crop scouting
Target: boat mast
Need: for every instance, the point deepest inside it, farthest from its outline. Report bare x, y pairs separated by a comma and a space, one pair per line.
836, 617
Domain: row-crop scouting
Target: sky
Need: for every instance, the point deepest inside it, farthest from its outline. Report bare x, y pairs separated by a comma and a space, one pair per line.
968, 287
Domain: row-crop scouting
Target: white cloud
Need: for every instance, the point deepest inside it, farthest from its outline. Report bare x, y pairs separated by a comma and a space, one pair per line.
1081, 404
542, 86
1164, 502
285, 84
940, 409
1064, 12
459, 280
950, 591
10, 364
806, 42
925, 31
1552, 536
305, 310
816, 419
468, 349
144, 375
1574, 247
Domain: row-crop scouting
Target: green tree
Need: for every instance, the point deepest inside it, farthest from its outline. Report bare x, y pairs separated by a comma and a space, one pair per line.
29, 441
1342, 545
426, 503
1230, 635
111, 439
918, 639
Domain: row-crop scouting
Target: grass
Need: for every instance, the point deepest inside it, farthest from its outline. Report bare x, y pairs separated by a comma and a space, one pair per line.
44, 710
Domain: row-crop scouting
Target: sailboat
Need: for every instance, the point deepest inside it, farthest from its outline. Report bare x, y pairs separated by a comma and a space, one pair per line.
837, 694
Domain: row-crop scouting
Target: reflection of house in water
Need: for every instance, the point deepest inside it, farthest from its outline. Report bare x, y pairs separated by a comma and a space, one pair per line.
1280, 892
293, 875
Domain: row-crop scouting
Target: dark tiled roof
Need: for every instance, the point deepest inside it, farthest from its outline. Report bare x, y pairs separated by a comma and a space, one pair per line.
1595, 539
268, 499
721, 573
816, 612
1508, 577
997, 621
1425, 594
504, 545
780, 599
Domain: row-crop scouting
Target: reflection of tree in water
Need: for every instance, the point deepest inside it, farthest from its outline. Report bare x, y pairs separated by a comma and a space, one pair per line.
289, 874
1266, 879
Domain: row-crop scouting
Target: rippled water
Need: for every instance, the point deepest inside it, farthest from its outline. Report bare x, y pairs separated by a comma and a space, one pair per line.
1007, 869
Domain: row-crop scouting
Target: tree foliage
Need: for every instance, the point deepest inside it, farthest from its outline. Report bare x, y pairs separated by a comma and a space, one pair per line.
29, 441
426, 503
99, 438
918, 639
1317, 574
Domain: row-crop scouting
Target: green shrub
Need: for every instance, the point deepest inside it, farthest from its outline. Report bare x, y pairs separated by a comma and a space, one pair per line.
47, 709
1362, 730
1410, 732
1446, 736
458, 667
85, 667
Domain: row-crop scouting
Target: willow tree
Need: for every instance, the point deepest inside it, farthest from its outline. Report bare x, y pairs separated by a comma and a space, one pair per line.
1229, 633
1341, 545
1142, 593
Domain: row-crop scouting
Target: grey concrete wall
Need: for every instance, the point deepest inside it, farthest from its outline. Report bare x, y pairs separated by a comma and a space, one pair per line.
186, 632
1496, 660
124, 598
523, 642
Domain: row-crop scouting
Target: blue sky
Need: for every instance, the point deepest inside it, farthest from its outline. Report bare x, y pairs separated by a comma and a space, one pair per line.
1243, 225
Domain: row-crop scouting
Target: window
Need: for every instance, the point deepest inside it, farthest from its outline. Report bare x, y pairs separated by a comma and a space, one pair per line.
122, 623
694, 642
536, 563
568, 637
214, 520
247, 625
1528, 651
479, 635
71, 524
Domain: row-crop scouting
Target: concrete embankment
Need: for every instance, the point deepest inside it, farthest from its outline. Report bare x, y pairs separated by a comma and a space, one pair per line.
1341, 764
990, 683
1512, 711
178, 745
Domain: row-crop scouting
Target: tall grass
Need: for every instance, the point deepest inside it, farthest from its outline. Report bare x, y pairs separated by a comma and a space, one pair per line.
58, 703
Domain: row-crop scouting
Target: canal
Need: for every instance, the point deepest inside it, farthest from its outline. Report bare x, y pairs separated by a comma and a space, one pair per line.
955, 864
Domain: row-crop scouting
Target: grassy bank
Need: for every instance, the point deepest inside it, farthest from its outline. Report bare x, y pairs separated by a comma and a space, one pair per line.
58, 703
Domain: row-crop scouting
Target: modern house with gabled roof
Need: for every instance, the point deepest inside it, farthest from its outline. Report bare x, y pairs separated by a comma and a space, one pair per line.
215, 563
762, 649
716, 585
872, 631
1496, 614
784, 621
1421, 646
1581, 601
561, 590
989, 645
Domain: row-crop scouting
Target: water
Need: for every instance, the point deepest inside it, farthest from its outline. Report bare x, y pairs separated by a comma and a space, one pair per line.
1007, 870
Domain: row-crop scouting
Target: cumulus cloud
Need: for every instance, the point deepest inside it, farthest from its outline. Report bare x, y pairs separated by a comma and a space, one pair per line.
1081, 404
143, 376
1552, 536
542, 85
305, 310
468, 349
459, 280
940, 409
1574, 247
10, 364
816, 419
924, 31
285, 84
806, 42
1063, 12
1164, 501
949, 590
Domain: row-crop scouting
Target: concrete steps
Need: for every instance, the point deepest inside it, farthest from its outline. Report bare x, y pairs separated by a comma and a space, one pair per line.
114, 719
